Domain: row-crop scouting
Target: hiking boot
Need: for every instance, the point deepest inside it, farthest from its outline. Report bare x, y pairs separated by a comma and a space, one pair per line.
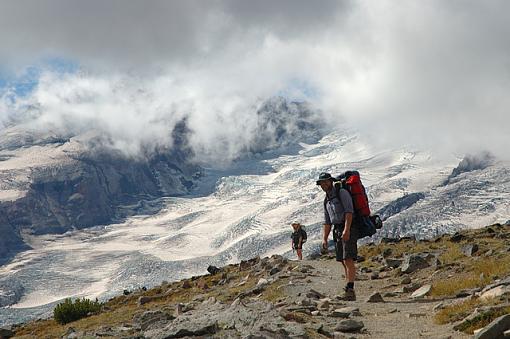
349, 294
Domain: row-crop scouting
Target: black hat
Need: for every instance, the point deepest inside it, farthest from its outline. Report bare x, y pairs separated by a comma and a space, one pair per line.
324, 176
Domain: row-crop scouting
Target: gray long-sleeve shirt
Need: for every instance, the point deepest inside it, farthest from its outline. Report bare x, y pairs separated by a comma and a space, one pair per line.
337, 202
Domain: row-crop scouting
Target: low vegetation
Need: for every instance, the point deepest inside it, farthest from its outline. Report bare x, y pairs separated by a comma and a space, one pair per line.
69, 310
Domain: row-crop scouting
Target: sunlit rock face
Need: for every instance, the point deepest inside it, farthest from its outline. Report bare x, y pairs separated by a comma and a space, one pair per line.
53, 184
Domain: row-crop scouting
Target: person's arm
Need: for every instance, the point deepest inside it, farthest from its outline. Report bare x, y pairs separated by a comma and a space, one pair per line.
346, 234
346, 200
326, 229
325, 234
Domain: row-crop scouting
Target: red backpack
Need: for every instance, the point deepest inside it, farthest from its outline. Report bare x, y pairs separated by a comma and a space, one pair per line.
351, 181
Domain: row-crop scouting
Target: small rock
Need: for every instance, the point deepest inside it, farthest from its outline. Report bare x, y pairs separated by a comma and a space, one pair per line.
235, 303
213, 269
144, 300
186, 284
316, 313
304, 302
179, 309
325, 332
210, 301
436, 263
323, 305
126, 292
375, 298
457, 237
313, 294
410, 288
366, 270
412, 263
416, 315
422, 292
262, 282
349, 325
392, 263
405, 281
345, 312
438, 307
390, 295
469, 249
273, 271
202, 285
387, 252
374, 275
393, 310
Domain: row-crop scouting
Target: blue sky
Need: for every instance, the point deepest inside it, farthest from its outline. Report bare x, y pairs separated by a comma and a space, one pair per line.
24, 82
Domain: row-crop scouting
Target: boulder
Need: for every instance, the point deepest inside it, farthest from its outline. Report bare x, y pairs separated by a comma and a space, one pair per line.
495, 329
345, 312
495, 292
422, 292
147, 318
213, 269
349, 325
6, 332
392, 262
413, 262
375, 298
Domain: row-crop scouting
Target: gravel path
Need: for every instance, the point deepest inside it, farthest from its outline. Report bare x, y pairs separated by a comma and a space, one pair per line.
395, 318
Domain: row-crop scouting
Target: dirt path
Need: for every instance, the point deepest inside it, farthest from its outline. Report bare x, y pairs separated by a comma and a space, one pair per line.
395, 318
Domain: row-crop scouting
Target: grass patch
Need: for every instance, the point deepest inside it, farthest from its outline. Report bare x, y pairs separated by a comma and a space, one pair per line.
477, 273
451, 286
456, 311
452, 254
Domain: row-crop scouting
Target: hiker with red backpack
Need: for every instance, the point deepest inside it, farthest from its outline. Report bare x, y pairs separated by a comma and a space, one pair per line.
338, 212
346, 209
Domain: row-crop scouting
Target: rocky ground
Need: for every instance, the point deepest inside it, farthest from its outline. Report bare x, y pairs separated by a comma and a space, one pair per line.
442, 288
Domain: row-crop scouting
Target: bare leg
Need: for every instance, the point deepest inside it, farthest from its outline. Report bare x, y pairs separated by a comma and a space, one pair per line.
345, 269
300, 254
350, 270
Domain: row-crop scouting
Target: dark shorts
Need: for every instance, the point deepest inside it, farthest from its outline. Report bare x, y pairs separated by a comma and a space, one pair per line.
345, 249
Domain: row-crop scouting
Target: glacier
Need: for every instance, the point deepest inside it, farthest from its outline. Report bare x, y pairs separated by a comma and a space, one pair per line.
244, 210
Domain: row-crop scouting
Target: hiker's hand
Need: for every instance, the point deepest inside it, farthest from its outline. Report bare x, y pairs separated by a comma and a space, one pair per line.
346, 234
324, 244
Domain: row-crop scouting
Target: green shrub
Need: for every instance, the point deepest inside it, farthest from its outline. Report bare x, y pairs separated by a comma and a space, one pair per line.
69, 311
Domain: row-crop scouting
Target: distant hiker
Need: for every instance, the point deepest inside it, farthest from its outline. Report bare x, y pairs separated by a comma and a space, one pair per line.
298, 238
338, 212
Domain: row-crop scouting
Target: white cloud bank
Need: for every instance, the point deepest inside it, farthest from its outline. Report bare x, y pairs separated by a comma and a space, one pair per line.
432, 73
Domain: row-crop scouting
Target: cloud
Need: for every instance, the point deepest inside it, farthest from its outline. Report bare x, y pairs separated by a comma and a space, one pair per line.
433, 73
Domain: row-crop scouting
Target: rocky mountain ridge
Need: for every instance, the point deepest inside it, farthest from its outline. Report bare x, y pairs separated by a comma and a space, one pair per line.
445, 287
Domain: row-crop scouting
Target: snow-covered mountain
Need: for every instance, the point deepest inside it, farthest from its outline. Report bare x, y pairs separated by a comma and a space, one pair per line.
245, 210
